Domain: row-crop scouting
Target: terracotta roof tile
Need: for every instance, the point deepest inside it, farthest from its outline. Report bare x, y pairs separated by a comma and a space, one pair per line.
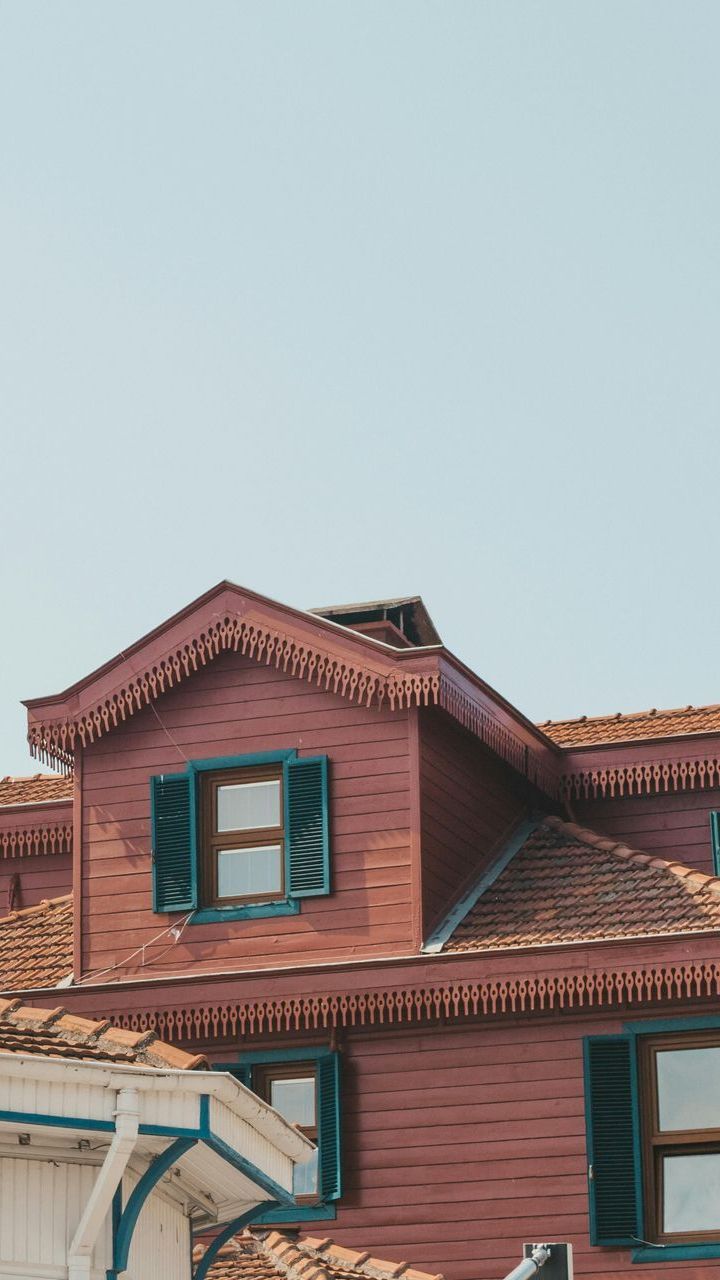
567, 884
36, 945
55, 1033
273, 1256
37, 789
636, 726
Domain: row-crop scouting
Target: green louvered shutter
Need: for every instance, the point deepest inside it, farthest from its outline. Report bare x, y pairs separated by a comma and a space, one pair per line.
330, 1174
613, 1140
242, 1074
715, 835
173, 843
307, 838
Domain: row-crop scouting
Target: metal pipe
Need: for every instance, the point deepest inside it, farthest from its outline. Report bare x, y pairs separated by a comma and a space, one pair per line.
529, 1267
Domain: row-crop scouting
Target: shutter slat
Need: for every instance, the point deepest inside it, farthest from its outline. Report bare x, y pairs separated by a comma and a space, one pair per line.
173, 843
329, 1169
613, 1140
307, 827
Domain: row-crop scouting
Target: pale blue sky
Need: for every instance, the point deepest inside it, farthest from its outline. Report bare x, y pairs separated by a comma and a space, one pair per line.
343, 300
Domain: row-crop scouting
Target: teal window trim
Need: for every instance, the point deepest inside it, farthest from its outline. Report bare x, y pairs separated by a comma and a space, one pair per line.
253, 911
241, 762
301, 1213
647, 1252
715, 839
676, 1253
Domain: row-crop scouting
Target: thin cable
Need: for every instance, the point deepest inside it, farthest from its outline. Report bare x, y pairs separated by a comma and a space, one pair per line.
99, 973
154, 710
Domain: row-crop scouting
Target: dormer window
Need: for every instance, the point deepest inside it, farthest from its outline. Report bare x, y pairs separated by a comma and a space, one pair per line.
239, 837
243, 836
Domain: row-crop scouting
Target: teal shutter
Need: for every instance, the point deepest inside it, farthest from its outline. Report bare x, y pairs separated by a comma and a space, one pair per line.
715, 834
613, 1140
329, 1170
306, 826
173, 843
242, 1074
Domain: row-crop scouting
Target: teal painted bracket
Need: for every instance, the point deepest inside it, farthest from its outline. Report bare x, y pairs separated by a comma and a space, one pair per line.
676, 1253
222, 1238
253, 911
457, 913
140, 1193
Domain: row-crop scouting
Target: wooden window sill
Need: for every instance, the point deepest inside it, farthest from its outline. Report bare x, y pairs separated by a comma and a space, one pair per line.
251, 911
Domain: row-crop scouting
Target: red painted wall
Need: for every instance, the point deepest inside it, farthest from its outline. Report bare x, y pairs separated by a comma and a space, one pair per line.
469, 801
41, 877
462, 1143
674, 826
231, 707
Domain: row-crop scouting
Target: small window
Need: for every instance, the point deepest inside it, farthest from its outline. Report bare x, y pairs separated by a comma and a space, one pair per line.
242, 837
243, 847
681, 1137
292, 1089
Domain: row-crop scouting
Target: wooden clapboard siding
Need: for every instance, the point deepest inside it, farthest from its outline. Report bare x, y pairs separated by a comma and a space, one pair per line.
674, 826
44, 876
468, 802
230, 708
461, 1143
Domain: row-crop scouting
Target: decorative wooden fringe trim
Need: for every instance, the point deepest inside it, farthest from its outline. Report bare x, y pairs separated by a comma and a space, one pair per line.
33, 841
54, 743
641, 779
651, 984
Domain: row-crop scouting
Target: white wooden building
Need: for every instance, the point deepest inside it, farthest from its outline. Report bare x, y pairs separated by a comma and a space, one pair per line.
109, 1167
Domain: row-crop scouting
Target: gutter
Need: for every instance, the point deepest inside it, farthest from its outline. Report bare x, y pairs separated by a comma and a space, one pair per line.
127, 1124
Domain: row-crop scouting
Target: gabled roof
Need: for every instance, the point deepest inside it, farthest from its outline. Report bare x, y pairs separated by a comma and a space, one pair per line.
636, 726
274, 1256
39, 788
55, 1033
310, 647
36, 946
567, 884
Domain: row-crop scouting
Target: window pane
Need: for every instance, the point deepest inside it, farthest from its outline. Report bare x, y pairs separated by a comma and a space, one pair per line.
295, 1100
688, 1095
244, 872
248, 806
305, 1177
691, 1193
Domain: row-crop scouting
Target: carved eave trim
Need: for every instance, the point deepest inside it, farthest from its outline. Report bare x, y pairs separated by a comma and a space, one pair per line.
639, 984
608, 779
32, 840
351, 667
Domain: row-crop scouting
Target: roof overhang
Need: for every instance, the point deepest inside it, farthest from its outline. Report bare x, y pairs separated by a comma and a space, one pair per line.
233, 1151
355, 666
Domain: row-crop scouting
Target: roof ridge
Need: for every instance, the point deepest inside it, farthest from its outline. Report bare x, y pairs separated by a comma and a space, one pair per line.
650, 713
44, 905
32, 777
606, 844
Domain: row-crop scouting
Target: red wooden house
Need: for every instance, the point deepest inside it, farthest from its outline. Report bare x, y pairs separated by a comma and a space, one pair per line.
476, 958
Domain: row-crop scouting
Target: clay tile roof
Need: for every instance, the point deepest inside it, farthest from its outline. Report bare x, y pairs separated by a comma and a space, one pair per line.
567, 884
36, 789
273, 1256
36, 945
636, 726
55, 1033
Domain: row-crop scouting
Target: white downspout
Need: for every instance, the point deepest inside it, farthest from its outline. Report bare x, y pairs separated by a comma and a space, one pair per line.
127, 1120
